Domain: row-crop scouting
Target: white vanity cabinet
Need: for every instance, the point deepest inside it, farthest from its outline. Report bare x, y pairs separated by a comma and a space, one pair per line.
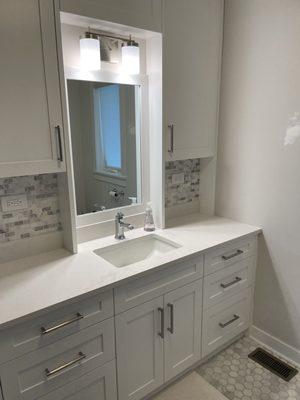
132, 339
145, 14
157, 340
192, 41
31, 139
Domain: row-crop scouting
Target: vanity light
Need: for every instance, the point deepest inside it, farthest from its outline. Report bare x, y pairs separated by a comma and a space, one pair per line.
90, 52
131, 57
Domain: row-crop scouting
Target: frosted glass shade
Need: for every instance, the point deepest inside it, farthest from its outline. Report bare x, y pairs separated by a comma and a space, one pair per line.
131, 59
90, 54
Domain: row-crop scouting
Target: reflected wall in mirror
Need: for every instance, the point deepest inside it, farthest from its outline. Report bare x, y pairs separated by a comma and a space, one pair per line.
105, 133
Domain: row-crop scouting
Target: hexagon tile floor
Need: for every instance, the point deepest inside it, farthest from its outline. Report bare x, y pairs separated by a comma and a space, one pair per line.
239, 378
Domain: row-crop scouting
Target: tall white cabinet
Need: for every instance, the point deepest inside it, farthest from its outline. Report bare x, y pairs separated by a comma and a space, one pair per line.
192, 40
31, 138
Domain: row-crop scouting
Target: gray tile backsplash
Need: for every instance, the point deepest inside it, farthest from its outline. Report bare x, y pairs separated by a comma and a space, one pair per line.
189, 190
42, 212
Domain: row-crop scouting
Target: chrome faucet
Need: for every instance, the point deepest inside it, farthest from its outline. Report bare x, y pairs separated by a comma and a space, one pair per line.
120, 226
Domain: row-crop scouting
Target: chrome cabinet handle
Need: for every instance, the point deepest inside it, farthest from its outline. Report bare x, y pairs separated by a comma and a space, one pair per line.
235, 318
44, 330
60, 152
162, 323
171, 147
171, 327
80, 357
237, 253
226, 285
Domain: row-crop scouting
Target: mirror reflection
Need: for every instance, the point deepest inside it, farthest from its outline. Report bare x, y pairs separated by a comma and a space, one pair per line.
105, 133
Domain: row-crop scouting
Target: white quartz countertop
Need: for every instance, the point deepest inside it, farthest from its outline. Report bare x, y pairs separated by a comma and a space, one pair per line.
31, 285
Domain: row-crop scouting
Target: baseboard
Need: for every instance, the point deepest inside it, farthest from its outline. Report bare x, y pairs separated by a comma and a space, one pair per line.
276, 345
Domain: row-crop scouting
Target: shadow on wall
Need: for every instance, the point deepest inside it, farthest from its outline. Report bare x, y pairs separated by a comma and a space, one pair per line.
281, 314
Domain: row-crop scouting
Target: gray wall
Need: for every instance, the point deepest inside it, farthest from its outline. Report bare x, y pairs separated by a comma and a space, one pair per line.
258, 179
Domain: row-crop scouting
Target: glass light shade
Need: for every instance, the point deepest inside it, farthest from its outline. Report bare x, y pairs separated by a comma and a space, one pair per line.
90, 54
131, 59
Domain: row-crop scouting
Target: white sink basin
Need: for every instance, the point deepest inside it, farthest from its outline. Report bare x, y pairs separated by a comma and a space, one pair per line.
129, 252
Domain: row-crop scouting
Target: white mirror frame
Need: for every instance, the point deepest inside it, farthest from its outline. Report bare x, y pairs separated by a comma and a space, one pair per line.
142, 81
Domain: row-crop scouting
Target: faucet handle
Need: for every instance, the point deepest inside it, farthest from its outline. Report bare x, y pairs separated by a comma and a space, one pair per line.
119, 216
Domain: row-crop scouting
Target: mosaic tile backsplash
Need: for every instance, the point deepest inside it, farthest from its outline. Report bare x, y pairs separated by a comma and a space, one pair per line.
41, 215
189, 190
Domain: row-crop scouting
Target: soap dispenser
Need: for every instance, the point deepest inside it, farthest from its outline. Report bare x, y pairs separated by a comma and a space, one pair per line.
149, 220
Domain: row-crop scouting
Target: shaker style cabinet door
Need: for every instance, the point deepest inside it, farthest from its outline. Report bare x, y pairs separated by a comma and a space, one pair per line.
192, 39
31, 136
182, 345
139, 338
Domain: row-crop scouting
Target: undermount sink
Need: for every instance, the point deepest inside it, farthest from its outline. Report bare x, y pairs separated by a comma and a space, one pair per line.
132, 251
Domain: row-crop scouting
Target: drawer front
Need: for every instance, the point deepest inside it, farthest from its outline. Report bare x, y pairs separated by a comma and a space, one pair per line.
41, 331
226, 255
223, 322
147, 288
51, 367
100, 384
225, 283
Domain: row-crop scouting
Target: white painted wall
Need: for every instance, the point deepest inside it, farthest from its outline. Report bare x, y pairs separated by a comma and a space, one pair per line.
258, 178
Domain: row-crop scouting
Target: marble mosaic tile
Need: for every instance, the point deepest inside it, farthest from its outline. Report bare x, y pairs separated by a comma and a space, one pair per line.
42, 214
239, 378
189, 190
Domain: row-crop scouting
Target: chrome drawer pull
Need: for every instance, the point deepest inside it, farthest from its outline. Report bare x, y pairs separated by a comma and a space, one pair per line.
237, 253
235, 318
60, 151
162, 323
48, 373
171, 148
226, 285
44, 330
171, 328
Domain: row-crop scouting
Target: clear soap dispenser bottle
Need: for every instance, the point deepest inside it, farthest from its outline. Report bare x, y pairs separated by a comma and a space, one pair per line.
149, 220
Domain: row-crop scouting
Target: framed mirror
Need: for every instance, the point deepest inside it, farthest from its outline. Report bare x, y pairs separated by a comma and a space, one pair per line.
105, 125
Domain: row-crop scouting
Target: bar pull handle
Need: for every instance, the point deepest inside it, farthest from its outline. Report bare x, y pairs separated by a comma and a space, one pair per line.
235, 318
60, 151
237, 253
226, 285
171, 327
44, 330
162, 322
80, 357
171, 147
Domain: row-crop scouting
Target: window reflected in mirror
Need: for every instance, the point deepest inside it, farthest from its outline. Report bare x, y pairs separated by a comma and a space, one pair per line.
105, 133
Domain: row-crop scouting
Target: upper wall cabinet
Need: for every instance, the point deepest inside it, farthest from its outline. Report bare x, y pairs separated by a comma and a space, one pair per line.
144, 14
31, 137
192, 32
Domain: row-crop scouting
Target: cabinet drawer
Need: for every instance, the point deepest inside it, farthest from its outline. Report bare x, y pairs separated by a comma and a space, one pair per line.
146, 288
223, 284
51, 367
99, 384
225, 321
27, 337
226, 255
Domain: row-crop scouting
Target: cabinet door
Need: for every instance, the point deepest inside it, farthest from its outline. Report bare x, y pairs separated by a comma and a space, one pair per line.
145, 14
182, 346
192, 35
140, 350
30, 93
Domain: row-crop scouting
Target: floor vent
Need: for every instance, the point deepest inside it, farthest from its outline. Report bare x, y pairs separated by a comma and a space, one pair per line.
273, 364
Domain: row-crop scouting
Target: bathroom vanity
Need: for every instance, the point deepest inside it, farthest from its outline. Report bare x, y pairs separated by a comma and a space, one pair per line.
99, 318
79, 326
